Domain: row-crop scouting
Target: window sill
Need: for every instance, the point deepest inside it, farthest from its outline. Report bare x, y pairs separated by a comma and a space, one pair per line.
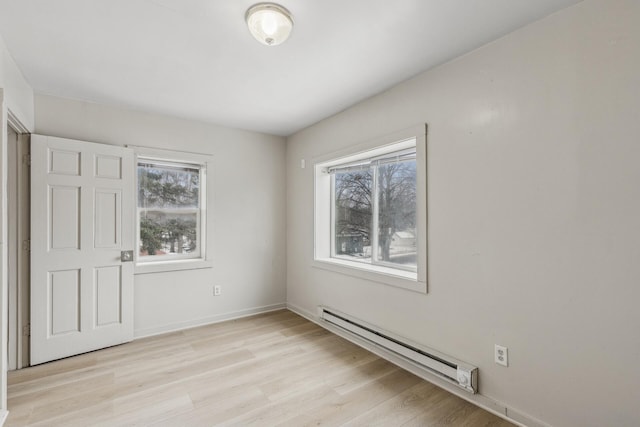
178, 265
375, 273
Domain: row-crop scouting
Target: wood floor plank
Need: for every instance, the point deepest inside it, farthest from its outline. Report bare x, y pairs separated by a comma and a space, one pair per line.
361, 400
277, 412
233, 404
446, 410
275, 368
398, 409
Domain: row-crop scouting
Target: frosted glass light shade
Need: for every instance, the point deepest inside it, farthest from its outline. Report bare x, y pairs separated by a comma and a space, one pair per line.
269, 23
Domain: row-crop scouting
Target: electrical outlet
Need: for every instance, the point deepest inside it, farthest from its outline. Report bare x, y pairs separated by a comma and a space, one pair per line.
501, 355
217, 290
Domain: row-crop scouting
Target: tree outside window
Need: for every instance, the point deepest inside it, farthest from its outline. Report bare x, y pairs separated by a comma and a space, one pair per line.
169, 210
374, 211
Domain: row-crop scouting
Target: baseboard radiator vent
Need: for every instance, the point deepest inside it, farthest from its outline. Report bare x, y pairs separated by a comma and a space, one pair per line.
448, 368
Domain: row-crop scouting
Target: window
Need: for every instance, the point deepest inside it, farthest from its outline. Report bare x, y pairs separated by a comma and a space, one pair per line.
370, 211
171, 220
374, 210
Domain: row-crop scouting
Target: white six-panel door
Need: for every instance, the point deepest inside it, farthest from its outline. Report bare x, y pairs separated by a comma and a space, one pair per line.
82, 213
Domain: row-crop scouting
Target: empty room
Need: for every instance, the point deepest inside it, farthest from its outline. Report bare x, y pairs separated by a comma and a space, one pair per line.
320, 212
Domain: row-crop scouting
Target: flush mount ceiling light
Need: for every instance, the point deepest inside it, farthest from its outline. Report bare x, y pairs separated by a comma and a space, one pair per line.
269, 23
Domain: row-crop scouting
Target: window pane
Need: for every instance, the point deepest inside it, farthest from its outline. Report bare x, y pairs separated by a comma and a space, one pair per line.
168, 233
162, 186
353, 214
397, 213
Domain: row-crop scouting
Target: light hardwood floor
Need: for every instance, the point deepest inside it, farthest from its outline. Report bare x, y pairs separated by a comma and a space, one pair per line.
272, 369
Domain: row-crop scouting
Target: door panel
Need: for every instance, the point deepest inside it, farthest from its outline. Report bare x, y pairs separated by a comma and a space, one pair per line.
108, 167
108, 289
107, 224
64, 302
82, 218
64, 211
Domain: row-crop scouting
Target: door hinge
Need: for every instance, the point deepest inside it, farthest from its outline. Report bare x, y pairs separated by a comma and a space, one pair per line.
26, 330
26, 245
26, 160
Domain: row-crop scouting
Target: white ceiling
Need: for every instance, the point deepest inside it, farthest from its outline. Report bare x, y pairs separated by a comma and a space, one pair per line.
196, 59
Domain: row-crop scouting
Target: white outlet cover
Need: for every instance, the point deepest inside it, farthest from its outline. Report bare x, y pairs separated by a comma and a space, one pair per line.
501, 355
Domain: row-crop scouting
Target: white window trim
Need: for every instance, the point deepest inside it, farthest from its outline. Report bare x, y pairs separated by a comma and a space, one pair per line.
204, 260
415, 281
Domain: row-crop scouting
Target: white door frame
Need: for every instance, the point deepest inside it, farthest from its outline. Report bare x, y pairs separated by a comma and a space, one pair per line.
11, 244
3, 260
6, 118
24, 239
18, 214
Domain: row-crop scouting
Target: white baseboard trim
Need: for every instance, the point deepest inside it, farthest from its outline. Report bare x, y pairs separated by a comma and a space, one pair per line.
3, 416
500, 409
159, 330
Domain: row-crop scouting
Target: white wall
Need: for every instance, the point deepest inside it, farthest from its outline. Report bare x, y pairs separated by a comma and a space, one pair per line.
534, 207
18, 95
247, 219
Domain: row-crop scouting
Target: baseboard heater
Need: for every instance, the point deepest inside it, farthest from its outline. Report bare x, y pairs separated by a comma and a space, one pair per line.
450, 369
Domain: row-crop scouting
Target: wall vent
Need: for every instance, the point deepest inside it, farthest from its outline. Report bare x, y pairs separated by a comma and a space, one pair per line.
450, 369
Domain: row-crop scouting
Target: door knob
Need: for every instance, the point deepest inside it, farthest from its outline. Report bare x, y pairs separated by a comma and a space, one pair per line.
126, 256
